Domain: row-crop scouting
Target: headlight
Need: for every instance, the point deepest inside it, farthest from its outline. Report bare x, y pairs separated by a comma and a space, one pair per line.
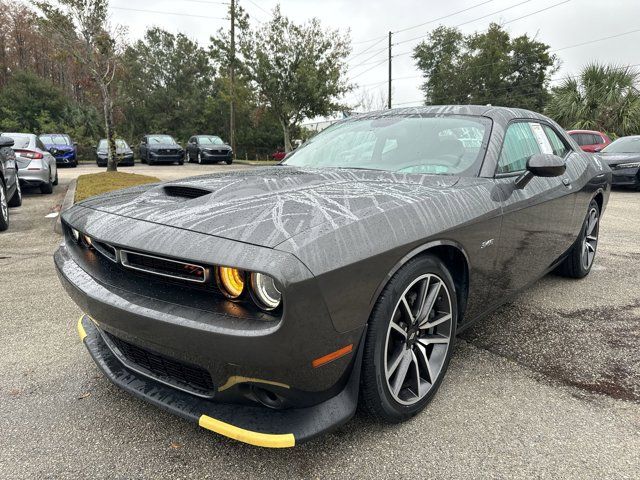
231, 281
628, 165
75, 234
87, 240
265, 292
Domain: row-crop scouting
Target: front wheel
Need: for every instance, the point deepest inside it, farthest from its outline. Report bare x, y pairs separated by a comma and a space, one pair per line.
580, 258
16, 200
4, 208
409, 340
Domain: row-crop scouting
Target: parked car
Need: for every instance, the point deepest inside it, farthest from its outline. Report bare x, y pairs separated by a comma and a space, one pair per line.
278, 155
590, 140
10, 192
208, 148
36, 166
123, 152
274, 299
160, 149
61, 147
623, 157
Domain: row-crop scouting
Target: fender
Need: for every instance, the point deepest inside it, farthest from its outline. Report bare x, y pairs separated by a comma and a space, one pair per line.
413, 253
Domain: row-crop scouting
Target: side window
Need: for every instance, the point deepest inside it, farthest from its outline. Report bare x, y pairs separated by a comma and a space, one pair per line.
39, 144
577, 137
558, 146
597, 139
519, 144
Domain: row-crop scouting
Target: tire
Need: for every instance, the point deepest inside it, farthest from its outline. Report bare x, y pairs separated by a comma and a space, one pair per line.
425, 352
16, 200
47, 187
74, 164
55, 180
199, 158
576, 265
4, 208
229, 162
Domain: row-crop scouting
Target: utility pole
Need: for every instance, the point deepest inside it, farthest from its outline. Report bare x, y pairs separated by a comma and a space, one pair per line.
389, 96
232, 78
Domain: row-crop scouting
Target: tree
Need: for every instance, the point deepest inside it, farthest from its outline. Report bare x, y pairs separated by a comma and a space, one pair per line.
82, 29
488, 67
299, 69
603, 97
164, 85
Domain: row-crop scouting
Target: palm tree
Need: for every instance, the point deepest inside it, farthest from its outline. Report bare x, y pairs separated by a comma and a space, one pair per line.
603, 97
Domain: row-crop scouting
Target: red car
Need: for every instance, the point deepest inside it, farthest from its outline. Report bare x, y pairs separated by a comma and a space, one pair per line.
278, 155
590, 140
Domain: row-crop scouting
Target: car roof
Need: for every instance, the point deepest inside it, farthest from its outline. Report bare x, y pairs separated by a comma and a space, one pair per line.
584, 131
52, 134
17, 134
499, 114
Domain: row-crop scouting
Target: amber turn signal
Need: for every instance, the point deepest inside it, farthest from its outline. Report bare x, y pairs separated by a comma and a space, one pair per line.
231, 281
318, 362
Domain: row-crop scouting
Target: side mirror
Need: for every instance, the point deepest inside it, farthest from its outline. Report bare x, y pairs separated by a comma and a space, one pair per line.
75, 144
541, 165
597, 149
6, 142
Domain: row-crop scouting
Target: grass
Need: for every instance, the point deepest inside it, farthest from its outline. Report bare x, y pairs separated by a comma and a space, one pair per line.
97, 183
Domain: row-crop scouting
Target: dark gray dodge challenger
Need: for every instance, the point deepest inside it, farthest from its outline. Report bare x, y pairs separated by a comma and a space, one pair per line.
265, 304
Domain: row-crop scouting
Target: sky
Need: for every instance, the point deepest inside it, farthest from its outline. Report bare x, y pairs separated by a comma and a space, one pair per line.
559, 23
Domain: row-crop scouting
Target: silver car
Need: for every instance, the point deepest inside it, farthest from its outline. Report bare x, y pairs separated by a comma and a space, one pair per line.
36, 165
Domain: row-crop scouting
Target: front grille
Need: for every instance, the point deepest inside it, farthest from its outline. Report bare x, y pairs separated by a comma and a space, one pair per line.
163, 266
185, 192
184, 376
106, 250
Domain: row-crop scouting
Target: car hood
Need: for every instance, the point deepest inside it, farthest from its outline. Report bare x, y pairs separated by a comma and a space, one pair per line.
267, 206
616, 158
163, 146
119, 151
65, 148
215, 147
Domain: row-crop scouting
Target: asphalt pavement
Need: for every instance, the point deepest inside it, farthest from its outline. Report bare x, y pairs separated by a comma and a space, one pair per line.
547, 386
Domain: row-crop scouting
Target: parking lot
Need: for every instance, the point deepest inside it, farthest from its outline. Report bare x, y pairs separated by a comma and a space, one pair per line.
547, 386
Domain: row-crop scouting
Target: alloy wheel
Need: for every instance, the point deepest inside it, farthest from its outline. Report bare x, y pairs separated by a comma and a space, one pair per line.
590, 240
4, 207
418, 339
199, 158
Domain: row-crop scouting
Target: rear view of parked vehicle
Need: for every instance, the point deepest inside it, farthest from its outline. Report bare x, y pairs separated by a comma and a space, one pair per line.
61, 147
123, 152
160, 149
10, 193
590, 140
36, 166
208, 148
623, 157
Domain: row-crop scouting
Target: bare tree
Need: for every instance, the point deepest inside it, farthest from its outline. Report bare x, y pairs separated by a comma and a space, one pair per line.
82, 28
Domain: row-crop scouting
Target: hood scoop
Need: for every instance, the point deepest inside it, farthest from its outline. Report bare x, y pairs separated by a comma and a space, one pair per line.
181, 191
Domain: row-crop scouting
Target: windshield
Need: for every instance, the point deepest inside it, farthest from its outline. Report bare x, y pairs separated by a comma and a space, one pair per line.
120, 144
448, 145
156, 139
624, 145
55, 140
210, 141
20, 141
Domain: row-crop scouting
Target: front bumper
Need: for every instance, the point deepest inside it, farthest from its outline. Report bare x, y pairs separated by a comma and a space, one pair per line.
249, 424
65, 158
217, 157
628, 177
163, 157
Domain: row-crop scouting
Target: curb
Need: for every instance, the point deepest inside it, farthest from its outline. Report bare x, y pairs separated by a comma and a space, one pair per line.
66, 203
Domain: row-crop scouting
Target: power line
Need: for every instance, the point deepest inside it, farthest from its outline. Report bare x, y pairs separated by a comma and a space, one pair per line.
469, 21
367, 49
256, 5
504, 23
597, 40
368, 69
416, 26
168, 13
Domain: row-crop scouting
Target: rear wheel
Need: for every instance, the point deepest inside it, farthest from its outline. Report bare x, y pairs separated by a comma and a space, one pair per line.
55, 180
409, 340
16, 200
4, 208
582, 255
47, 187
